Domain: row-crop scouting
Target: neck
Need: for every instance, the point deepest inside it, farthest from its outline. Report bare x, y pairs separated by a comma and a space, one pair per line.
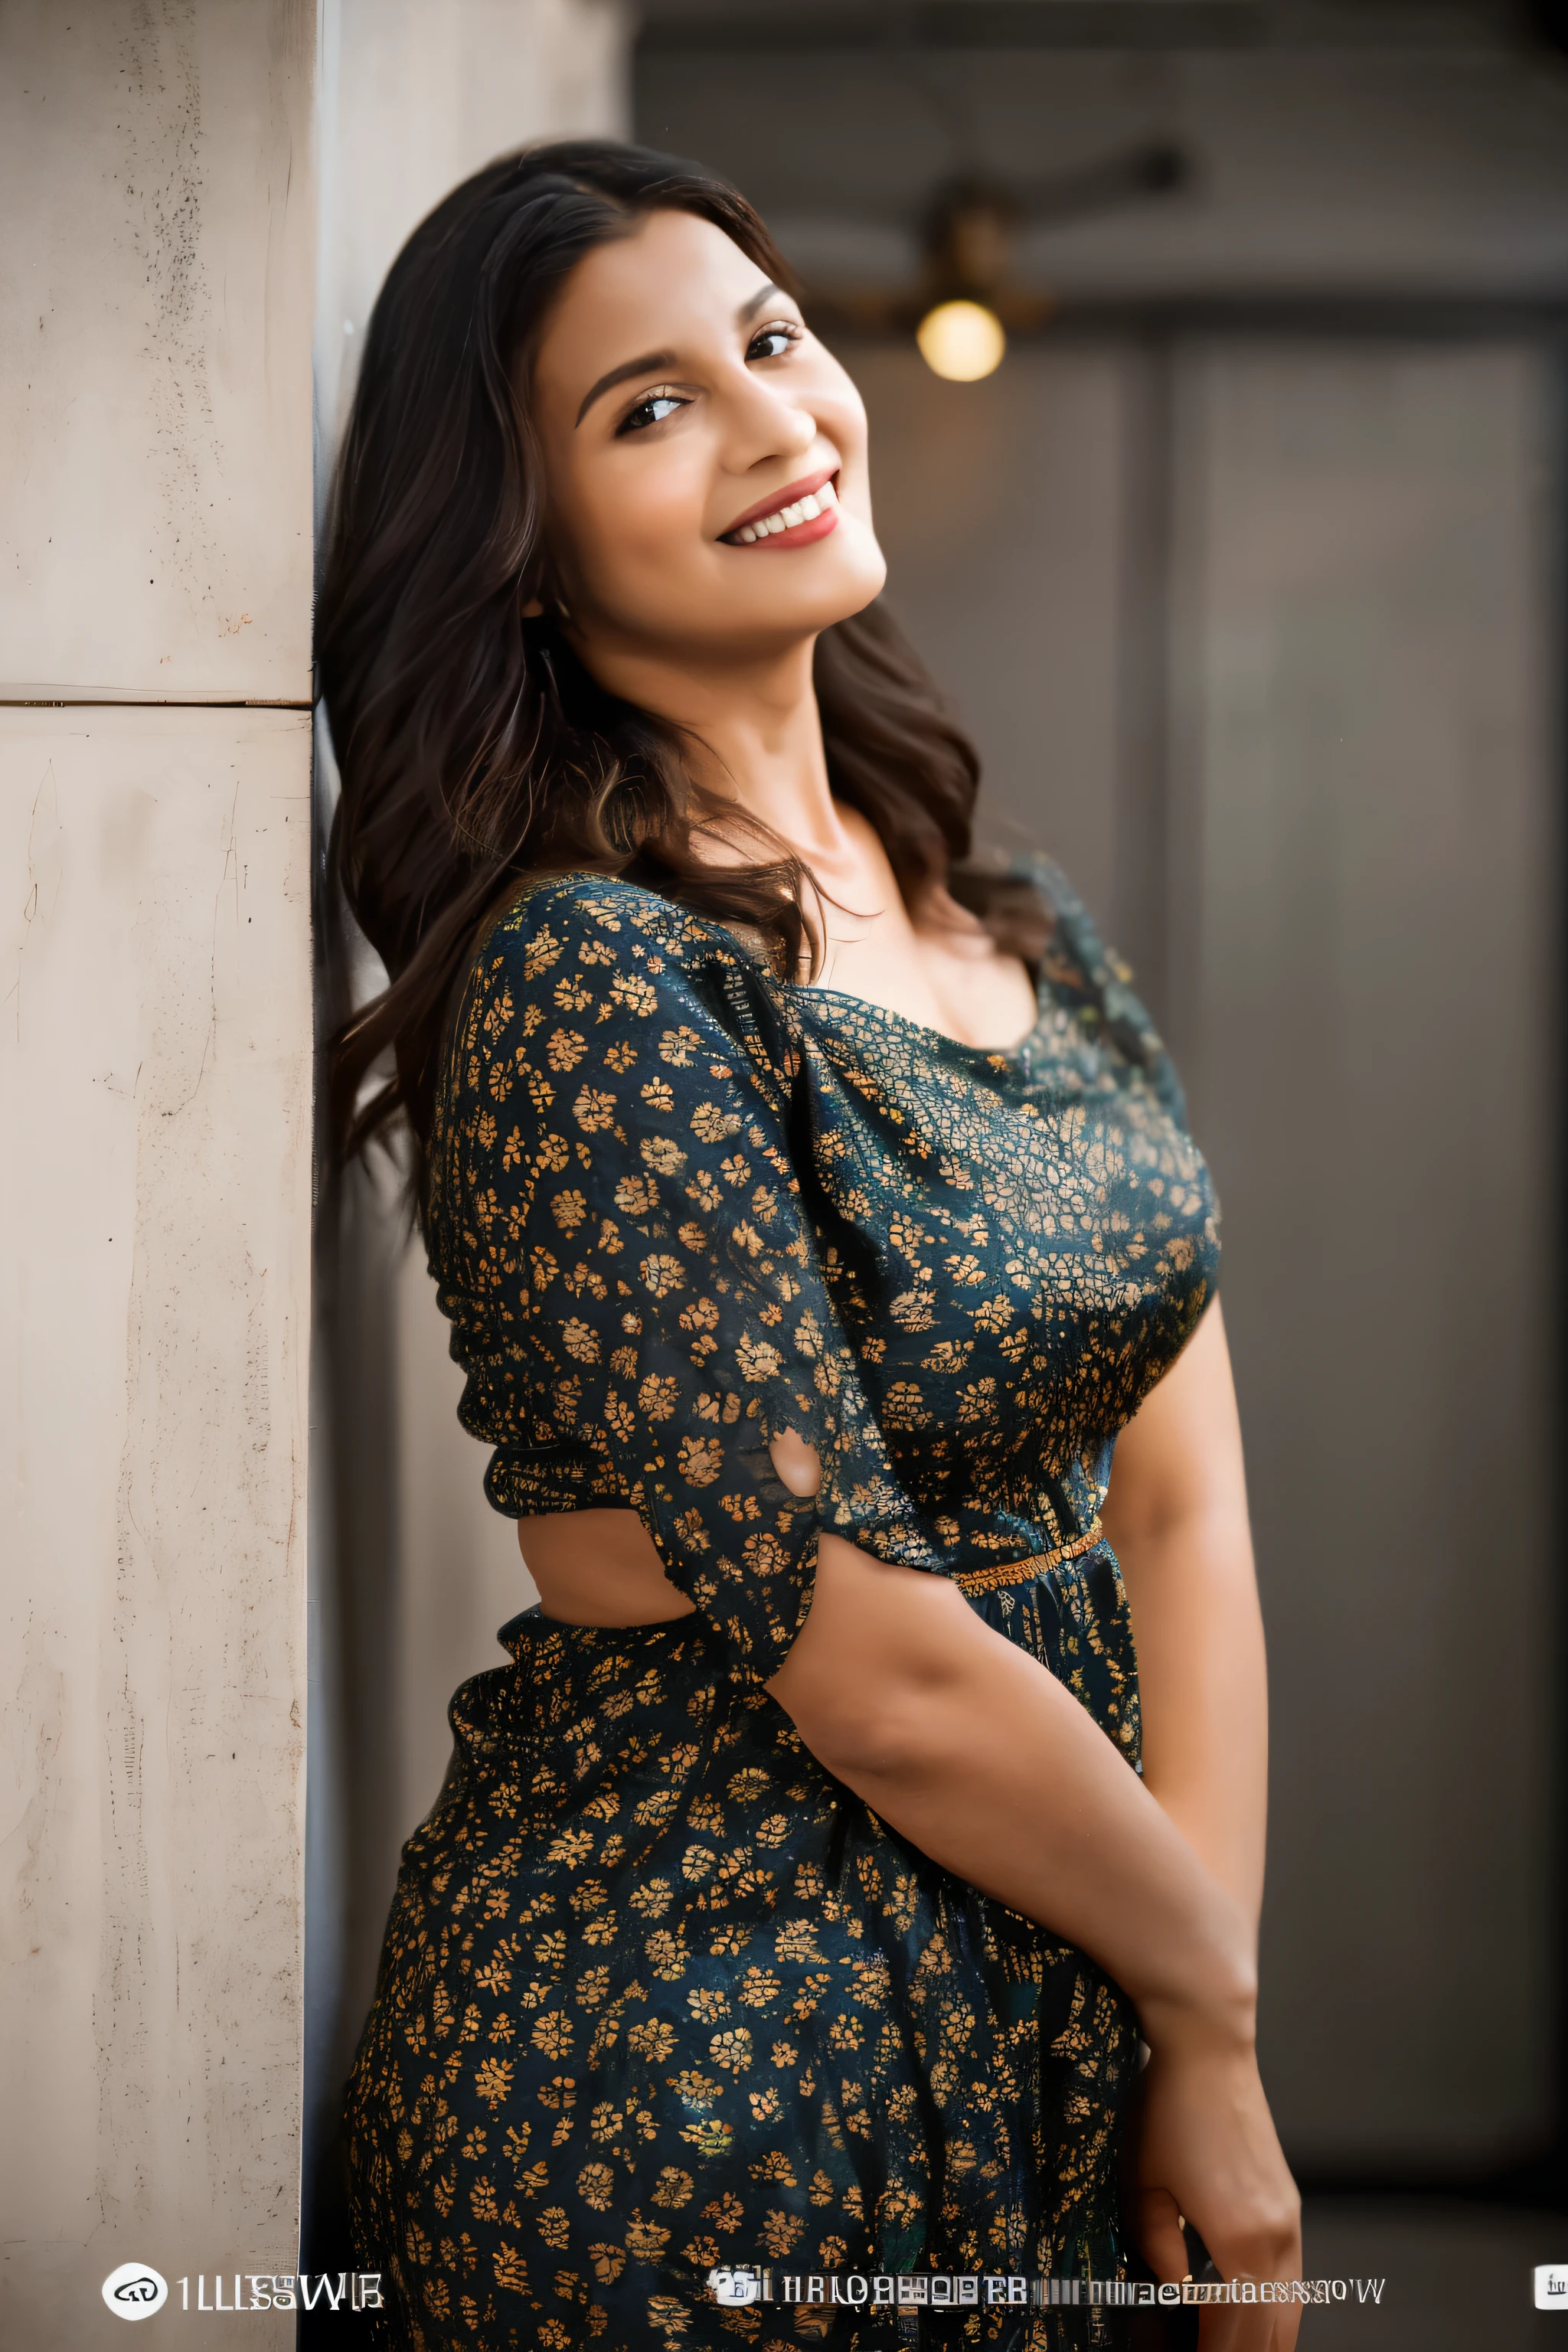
753, 736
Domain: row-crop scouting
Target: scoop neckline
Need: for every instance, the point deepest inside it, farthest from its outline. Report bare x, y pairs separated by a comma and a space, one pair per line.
866, 1005
796, 989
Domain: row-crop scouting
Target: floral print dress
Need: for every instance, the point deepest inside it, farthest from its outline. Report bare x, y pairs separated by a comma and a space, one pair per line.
659, 1994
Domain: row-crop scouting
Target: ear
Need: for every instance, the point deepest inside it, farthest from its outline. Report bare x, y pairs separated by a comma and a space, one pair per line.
533, 610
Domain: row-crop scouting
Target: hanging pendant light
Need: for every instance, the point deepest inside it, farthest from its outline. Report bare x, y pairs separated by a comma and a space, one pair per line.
968, 242
967, 303
961, 340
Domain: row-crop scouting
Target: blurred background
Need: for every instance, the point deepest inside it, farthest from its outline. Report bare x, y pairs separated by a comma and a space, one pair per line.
1230, 511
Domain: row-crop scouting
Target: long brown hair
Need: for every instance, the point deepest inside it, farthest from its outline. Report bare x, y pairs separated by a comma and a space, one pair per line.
473, 746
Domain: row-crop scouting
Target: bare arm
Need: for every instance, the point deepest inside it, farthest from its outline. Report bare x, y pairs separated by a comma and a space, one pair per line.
1176, 1517
974, 1752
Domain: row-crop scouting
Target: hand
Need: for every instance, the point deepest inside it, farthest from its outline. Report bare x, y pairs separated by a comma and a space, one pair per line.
1205, 2146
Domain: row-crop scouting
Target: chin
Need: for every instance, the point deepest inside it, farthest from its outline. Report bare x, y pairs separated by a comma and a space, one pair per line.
808, 604
859, 568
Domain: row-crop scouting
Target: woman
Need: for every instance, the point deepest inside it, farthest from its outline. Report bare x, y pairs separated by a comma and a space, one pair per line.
800, 1893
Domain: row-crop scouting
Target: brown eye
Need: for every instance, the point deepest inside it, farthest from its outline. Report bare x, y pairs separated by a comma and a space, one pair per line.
651, 410
772, 342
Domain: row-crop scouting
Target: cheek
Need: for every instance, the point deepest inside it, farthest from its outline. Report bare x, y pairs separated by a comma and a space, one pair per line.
639, 522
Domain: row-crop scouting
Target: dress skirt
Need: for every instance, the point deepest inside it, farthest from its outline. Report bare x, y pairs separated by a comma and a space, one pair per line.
660, 1995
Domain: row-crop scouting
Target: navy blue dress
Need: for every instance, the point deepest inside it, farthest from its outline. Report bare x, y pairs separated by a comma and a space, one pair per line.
658, 1993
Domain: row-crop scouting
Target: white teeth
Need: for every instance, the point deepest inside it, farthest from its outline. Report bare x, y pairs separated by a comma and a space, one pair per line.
807, 509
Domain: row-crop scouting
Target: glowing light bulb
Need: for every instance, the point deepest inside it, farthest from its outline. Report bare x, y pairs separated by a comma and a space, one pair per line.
960, 340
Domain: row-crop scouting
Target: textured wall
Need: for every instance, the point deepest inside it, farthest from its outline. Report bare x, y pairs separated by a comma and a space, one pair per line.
154, 331
155, 304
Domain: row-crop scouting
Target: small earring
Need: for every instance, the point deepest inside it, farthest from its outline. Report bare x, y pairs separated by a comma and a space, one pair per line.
535, 608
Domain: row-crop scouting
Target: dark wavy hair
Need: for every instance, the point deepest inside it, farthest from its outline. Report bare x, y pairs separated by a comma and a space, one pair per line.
472, 745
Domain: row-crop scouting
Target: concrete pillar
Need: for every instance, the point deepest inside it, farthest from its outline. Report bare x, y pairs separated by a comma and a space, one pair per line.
156, 307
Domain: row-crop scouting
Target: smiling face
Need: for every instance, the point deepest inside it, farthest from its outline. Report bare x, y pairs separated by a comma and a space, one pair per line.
706, 492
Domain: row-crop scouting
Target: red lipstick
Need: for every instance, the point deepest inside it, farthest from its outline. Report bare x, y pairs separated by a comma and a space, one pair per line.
801, 533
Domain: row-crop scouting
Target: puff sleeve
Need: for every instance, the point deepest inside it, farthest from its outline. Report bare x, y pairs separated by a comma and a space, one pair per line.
619, 1236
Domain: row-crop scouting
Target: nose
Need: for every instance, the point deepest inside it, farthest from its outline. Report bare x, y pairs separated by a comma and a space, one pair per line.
768, 423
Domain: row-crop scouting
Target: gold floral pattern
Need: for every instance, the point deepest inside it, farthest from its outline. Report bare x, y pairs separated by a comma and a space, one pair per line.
657, 1992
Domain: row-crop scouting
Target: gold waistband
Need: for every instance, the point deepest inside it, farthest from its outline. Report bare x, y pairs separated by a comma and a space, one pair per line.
1024, 1571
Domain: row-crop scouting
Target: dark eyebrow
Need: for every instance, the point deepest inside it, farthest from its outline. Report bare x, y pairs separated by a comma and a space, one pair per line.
648, 365
653, 361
